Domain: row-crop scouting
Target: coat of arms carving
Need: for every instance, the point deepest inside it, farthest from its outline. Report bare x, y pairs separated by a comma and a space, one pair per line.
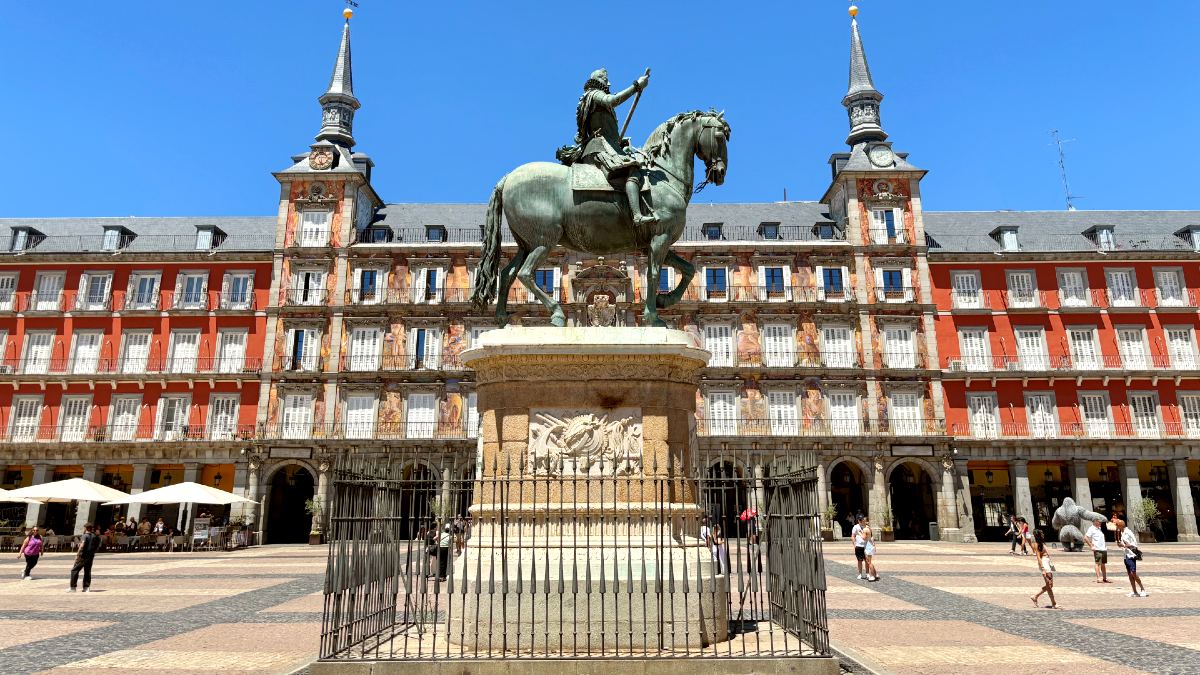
577, 442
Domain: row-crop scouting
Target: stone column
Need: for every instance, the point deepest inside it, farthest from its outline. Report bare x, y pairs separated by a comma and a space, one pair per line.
322, 516
140, 483
878, 494
1185, 508
191, 473
760, 488
35, 514
447, 484
1022, 497
1083, 487
823, 496
253, 466
1131, 491
85, 512
962, 501
947, 508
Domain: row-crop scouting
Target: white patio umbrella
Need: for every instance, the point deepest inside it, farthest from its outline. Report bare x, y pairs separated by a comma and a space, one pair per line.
6, 497
188, 493
69, 490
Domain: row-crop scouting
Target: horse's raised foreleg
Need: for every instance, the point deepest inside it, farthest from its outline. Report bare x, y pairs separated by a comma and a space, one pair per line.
686, 272
535, 258
507, 276
657, 251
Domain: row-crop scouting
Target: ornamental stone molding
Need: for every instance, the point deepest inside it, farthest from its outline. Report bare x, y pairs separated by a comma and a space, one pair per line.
551, 367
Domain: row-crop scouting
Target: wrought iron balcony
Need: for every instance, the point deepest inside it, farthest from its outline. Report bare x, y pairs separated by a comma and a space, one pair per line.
133, 367
389, 431
301, 297
818, 427
357, 363
20, 432
1024, 363
896, 294
1076, 430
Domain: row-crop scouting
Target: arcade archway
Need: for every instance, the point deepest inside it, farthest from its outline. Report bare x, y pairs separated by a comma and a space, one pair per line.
287, 520
847, 494
418, 500
725, 497
913, 507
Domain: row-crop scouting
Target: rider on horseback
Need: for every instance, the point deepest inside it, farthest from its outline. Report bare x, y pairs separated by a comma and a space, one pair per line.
599, 138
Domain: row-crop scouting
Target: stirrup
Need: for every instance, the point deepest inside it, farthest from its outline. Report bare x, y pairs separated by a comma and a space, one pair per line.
640, 219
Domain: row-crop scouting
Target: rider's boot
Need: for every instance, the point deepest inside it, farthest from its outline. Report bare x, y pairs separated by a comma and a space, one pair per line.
633, 188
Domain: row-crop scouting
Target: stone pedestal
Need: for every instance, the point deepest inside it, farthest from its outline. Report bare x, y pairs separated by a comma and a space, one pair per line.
586, 520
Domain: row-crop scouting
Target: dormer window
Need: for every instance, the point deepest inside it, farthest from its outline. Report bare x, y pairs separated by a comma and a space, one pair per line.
1193, 236
712, 231
208, 237
435, 233
1104, 236
24, 238
769, 230
1007, 236
116, 238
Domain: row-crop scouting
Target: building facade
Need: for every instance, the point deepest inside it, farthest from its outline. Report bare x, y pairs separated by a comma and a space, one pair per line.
836, 326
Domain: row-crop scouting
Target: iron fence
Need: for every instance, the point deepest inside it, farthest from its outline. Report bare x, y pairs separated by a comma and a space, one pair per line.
434, 560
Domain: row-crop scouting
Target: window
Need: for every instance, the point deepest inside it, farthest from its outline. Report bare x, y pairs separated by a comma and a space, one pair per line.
1143, 408
85, 352
304, 350
427, 284
781, 407
1073, 288
828, 231
666, 280
93, 291
472, 415
135, 351
1181, 347
38, 348
982, 411
297, 416
191, 290
368, 287
314, 227
833, 283
204, 238
425, 348
1083, 348
23, 239
1169, 283
1043, 421
545, 279
116, 238
360, 416
184, 348
966, 291
8, 288
975, 352
1022, 289
1122, 291
1094, 408
421, 419
905, 413
308, 287
222, 417
773, 282
722, 413
898, 348
779, 347
892, 284
1031, 348
74, 421
26, 418
1009, 240
1105, 238
474, 335
837, 349
231, 351
718, 340
715, 286
712, 231
436, 233
365, 346
769, 230
1189, 411
883, 227
123, 420
237, 289
143, 291
844, 417
172, 418
47, 291
1132, 345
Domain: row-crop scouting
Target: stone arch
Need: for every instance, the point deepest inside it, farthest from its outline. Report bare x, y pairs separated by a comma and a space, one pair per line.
725, 492
284, 519
934, 472
848, 480
866, 469
912, 496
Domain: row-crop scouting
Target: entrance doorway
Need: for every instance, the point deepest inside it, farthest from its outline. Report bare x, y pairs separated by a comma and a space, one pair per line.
847, 493
418, 497
724, 495
912, 501
287, 520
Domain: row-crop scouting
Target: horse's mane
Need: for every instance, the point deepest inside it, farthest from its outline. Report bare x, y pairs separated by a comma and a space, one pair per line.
659, 142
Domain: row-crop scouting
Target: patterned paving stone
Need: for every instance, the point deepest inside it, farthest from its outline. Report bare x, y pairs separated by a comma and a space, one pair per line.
19, 631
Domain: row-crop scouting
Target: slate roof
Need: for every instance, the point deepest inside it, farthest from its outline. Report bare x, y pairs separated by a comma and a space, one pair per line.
153, 234
1052, 231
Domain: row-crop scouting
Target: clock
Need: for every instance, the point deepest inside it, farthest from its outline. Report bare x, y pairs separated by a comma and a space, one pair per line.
881, 155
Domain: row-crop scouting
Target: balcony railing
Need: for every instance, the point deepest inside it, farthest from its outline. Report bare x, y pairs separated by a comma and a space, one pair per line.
125, 433
351, 363
85, 302
368, 431
1058, 362
693, 233
809, 427
1069, 430
1018, 300
1138, 298
897, 294
142, 243
882, 236
299, 297
133, 367
122, 301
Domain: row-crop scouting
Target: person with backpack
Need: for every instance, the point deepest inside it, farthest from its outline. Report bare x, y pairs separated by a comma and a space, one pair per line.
88, 546
31, 548
1128, 542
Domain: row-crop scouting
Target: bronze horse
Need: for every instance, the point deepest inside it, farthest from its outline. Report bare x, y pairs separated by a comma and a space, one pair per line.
543, 211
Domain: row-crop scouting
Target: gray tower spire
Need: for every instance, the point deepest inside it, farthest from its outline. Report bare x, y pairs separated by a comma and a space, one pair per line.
862, 99
338, 102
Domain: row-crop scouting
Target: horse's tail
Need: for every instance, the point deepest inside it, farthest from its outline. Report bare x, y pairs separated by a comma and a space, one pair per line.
484, 291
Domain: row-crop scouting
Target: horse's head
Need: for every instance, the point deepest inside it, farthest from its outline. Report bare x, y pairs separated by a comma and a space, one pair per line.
712, 145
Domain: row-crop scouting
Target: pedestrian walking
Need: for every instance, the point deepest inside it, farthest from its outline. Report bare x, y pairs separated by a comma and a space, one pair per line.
720, 553
1127, 541
869, 550
1046, 567
1094, 538
1026, 535
443, 554
860, 551
88, 545
31, 548
1013, 534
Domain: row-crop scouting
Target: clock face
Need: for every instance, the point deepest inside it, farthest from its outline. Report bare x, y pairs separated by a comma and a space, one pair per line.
881, 155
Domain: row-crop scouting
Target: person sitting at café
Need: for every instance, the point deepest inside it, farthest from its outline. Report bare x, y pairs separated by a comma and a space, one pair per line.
160, 527
144, 526
132, 527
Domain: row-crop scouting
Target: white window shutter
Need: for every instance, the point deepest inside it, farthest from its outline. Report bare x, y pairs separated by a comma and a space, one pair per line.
433, 348
762, 283
820, 272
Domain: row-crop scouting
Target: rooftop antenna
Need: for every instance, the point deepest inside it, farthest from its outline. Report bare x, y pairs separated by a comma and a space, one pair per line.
1062, 168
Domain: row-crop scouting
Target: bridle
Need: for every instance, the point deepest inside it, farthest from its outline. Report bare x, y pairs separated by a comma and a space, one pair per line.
708, 128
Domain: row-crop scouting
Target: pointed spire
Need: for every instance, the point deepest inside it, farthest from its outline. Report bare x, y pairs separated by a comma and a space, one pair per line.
338, 102
862, 98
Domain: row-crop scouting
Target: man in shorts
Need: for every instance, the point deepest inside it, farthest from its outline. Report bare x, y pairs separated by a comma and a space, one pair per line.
1095, 541
1128, 541
860, 543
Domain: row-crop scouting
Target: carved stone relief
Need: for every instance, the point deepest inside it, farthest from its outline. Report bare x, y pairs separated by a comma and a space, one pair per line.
582, 442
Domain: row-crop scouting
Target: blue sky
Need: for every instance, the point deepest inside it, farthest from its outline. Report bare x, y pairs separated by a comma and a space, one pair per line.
185, 108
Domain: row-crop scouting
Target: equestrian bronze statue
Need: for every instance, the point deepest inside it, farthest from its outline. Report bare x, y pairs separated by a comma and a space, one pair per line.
606, 197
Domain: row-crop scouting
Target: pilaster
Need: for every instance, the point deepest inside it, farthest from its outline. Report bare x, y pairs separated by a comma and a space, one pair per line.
1022, 497
85, 512
1185, 507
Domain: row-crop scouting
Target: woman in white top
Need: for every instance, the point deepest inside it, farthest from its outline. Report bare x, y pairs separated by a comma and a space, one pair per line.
869, 550
1046, 568
1128, 542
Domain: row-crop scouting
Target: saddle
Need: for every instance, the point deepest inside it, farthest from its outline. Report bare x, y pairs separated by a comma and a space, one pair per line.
587, 177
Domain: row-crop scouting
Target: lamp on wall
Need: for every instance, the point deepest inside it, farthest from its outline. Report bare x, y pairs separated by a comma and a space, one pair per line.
1113, 474
1048, 476
1158, 474
989, 476
217, 479
167, 478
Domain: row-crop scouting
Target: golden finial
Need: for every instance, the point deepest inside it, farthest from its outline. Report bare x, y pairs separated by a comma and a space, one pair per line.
347, 13
853, 11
